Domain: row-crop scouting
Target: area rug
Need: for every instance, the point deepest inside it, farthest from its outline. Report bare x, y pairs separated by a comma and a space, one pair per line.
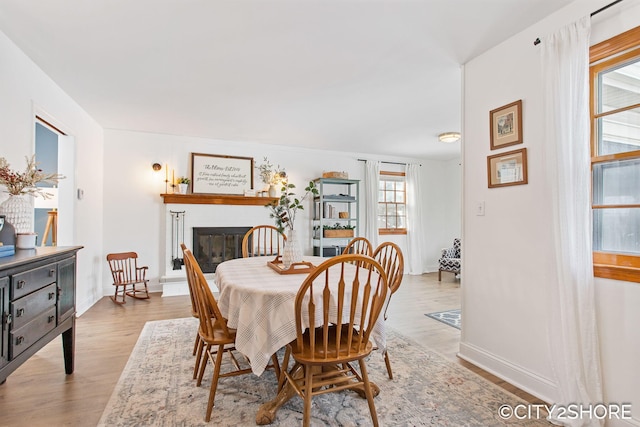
156, 389
449, 317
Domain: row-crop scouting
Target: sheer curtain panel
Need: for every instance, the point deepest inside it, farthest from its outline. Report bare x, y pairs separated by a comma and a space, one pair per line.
371, 182
573, 329
415, 232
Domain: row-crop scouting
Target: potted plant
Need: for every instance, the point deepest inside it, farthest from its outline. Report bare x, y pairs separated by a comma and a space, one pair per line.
338, 230
271, 176
283, 211
183, 184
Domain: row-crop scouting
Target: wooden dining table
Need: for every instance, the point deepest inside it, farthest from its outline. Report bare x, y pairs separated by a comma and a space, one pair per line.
258, 302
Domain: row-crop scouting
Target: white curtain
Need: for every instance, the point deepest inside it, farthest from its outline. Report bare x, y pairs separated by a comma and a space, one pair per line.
371, 183
415, 234
573, 330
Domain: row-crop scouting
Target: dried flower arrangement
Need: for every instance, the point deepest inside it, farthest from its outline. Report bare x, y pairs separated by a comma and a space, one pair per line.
25, 182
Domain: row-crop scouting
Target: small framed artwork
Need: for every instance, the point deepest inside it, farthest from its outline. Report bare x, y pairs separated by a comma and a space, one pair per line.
507, 168
216, 174
506, 125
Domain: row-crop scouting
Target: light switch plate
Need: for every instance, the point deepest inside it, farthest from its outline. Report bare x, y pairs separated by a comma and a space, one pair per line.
480, 208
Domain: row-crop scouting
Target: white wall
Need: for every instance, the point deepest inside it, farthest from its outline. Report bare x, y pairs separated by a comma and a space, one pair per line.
25, 90
507, 252
136, 218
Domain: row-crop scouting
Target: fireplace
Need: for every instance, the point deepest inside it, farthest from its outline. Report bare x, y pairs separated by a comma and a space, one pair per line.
213, 245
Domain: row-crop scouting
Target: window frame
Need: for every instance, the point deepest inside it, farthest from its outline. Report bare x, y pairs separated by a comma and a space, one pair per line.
393, 231
604, 56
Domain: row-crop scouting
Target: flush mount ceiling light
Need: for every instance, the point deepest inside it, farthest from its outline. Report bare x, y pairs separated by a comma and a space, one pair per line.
449, 136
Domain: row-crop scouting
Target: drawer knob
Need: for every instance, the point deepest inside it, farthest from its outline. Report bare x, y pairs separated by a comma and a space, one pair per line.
20, 312
19, 340
52, 272
52, 295
20, 284
51, 318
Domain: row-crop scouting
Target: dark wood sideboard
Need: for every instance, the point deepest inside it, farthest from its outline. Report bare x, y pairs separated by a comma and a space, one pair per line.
37, 303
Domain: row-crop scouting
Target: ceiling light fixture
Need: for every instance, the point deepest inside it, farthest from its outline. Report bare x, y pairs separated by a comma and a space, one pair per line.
449, 137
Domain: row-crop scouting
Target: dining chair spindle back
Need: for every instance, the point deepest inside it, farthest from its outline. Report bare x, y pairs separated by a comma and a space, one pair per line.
335, 314
390, 257
263, 240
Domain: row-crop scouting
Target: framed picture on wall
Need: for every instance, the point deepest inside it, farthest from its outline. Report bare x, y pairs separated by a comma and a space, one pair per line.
505, 125
217, 174
507, 168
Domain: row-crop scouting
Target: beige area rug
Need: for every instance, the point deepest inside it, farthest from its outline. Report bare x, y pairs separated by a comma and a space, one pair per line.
156, 389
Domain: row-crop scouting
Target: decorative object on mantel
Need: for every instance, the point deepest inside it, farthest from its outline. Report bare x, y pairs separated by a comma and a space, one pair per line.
337, 175
219, 174
271, 176
183, 184
284, 213
21, 186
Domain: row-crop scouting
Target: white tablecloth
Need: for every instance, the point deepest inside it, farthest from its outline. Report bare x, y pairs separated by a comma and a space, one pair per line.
259, 303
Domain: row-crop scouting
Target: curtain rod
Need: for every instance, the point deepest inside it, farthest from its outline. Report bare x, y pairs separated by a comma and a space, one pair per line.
537, 41
389, 163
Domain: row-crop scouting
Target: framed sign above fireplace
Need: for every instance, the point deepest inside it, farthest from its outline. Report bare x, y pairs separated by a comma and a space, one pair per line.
217, 174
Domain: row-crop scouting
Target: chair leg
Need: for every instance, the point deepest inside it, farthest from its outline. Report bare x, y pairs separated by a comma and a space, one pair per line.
198, 356
439, 275
368, 392
214, 381
308, 394
388, 363
114, 298
195, 344
283, 368
203, 363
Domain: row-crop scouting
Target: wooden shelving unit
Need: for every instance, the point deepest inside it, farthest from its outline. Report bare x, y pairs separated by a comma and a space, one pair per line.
216, 199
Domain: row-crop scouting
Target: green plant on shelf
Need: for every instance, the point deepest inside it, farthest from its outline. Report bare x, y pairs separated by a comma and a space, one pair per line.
183, 180
338, 226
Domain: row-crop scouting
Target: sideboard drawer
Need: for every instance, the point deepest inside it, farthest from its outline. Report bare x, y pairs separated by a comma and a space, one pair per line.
31, 280
23, 337
27, 308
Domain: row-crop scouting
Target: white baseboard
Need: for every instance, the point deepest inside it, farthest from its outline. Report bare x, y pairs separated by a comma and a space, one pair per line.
540, 387
175, 288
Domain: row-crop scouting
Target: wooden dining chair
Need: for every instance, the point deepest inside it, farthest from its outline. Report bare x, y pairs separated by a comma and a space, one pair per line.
390, 257
198, 345
359, 245
263, 240
126, 273
338, 330
215, 336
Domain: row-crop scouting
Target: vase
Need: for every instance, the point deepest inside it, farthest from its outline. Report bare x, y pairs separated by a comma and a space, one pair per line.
182, 188
292, 252
273, 191
18, 211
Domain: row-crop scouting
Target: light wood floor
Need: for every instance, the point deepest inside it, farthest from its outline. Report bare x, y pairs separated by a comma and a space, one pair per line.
40, 394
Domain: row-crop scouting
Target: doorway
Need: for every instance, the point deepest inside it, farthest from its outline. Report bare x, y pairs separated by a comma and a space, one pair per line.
54, 151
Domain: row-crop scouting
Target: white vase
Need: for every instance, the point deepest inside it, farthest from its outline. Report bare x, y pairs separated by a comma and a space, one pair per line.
292, 252
182, 188
273, 191
18, 211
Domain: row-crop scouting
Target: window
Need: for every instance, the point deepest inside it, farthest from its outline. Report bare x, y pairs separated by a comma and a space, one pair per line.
392, 208
615, 156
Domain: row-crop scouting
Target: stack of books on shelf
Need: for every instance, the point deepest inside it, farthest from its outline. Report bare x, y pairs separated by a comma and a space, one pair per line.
7, 250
